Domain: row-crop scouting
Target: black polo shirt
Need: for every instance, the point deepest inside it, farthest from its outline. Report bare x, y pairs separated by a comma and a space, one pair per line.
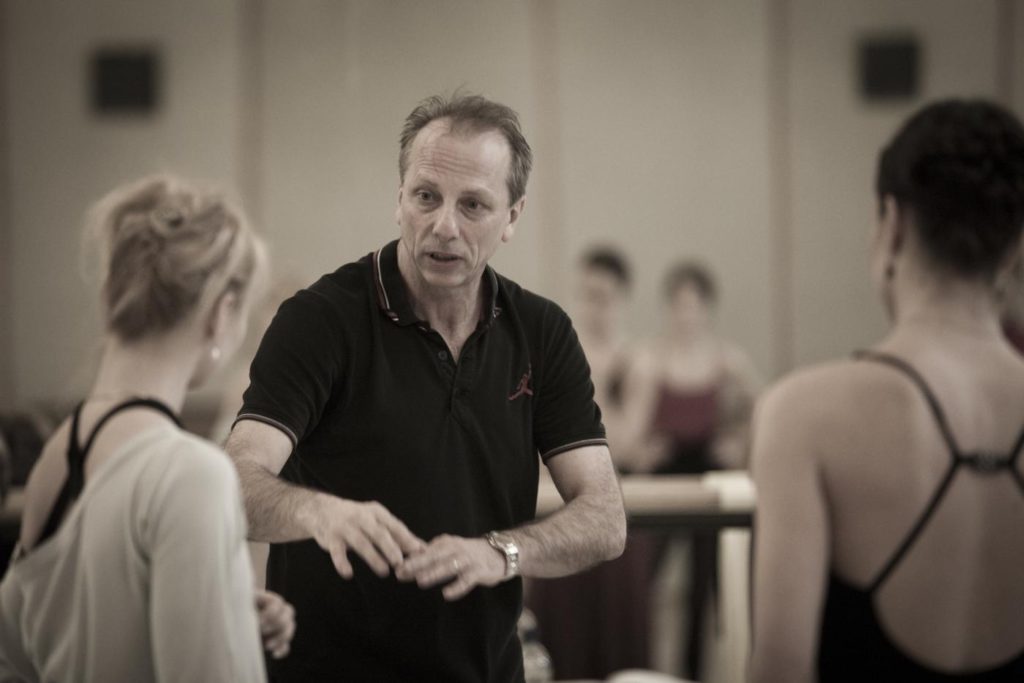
378, 410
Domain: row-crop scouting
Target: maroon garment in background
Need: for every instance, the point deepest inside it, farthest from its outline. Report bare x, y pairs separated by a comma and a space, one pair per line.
597, 622
689, 418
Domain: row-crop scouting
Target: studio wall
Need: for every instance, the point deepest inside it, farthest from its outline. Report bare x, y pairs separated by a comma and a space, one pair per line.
61, 157
730, 131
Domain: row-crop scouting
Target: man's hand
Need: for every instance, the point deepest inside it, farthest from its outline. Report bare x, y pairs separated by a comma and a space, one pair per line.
466, 562
368, 530
277, 623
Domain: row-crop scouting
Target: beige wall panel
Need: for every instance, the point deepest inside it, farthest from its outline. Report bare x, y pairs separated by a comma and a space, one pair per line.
835, 142
340, 79
665, 149
6, 254
1015, 54
62, 157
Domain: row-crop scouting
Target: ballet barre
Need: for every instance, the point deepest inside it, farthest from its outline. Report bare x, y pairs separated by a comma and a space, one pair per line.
713, 501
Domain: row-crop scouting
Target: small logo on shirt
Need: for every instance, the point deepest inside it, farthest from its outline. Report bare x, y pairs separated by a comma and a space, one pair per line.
523, 388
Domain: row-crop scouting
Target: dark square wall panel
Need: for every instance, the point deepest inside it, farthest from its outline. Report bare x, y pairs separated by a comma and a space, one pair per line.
125, 81
889, 67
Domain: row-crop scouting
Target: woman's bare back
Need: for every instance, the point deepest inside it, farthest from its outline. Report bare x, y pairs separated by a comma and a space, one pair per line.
954, 600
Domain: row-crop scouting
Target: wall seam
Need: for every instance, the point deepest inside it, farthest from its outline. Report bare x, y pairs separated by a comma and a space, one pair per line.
780, 184
548, 142
1005, 50
7, 388
249, 153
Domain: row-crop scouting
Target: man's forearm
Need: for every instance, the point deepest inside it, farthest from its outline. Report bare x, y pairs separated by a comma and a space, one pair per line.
590, 529
278, 511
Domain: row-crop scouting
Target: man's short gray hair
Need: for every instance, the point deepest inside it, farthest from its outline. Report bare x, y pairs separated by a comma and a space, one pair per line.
476, 113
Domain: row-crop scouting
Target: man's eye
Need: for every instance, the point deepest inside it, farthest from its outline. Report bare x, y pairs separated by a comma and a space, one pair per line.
424, 196
473, 205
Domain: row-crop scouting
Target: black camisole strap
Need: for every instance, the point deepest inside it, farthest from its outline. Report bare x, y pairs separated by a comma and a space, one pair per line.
940, 417
76, 456
933, 403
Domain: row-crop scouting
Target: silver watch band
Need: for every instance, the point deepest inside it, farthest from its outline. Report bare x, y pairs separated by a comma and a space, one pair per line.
507, 547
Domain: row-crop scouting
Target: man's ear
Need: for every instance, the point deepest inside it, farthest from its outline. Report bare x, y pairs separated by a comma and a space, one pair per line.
398, 206
514, 212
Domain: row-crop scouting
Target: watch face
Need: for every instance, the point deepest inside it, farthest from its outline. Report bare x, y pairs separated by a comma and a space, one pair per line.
505, 541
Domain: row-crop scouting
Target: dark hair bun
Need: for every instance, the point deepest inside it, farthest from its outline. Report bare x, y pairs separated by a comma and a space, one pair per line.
959, 165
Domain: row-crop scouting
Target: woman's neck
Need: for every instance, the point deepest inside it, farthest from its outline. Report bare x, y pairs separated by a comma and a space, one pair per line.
690, 339
948, 307
159, 368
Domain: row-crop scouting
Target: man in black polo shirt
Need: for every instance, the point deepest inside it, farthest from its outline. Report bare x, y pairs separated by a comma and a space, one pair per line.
388, 442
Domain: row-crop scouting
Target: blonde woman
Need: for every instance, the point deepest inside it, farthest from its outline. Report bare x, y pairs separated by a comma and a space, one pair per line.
132, 563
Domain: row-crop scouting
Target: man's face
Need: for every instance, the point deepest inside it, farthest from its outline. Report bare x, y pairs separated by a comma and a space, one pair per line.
453, 204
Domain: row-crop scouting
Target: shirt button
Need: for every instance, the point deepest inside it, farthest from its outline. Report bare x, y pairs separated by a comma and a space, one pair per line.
442, 355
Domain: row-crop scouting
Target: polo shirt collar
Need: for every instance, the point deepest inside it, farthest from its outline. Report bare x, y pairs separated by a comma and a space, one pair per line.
393, 297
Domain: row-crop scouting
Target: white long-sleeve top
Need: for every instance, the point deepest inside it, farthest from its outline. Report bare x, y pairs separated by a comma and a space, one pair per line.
147, 578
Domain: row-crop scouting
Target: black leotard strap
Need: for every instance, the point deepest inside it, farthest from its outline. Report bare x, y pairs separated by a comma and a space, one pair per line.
922, 521
933, 403
986, 462
940, 418
76, 456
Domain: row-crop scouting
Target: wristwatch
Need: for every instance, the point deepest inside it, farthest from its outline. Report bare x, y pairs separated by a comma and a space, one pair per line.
504, 544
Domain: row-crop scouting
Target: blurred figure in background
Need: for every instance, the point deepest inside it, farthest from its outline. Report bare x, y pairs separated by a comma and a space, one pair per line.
597, 622
22, 435
690, 393
890, 485
688, 401
131, 563
602, 295
25, 432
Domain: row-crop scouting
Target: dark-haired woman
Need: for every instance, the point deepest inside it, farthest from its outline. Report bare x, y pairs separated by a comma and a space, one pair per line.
132, 563
890, 526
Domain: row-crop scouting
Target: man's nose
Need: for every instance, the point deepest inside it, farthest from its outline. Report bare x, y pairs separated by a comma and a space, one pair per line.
446, 225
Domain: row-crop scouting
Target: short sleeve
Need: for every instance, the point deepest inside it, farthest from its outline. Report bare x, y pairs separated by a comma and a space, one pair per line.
565, 416
295, 368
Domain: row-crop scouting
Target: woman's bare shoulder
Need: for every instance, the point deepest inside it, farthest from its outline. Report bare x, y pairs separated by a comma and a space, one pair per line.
809, 385
836, 398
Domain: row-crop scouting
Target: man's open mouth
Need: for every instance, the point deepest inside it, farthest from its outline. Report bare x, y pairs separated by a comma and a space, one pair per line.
443, 258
